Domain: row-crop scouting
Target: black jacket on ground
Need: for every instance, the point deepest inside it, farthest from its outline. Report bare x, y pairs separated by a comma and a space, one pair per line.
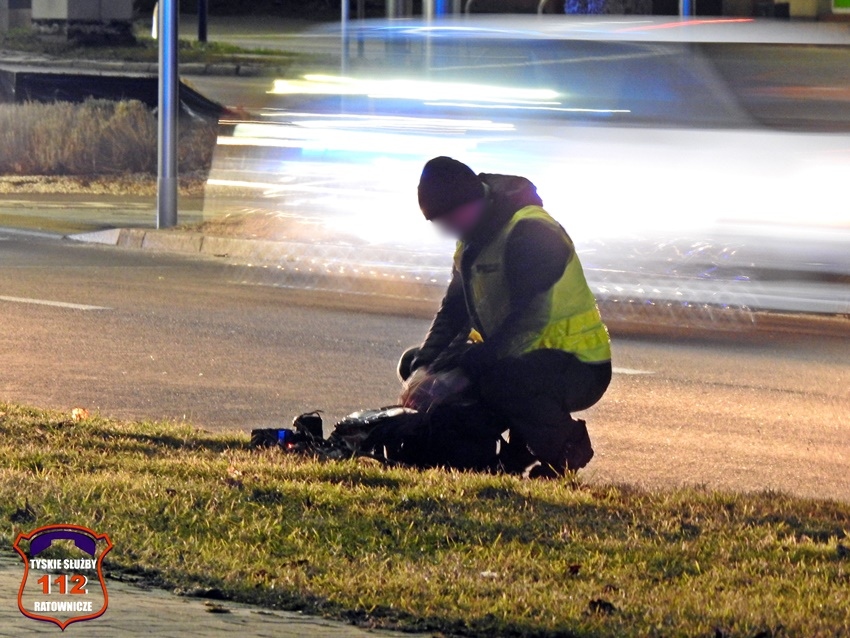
536, 255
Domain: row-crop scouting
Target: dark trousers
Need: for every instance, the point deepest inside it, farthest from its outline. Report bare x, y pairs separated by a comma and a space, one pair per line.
537, 391
533, 396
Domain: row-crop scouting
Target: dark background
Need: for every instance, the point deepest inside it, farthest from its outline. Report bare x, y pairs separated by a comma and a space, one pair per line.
318, 9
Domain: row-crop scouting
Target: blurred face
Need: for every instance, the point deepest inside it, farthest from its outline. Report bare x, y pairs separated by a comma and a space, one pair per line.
461, 222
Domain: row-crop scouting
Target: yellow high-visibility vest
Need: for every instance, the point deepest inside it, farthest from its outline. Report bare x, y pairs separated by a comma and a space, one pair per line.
565, 317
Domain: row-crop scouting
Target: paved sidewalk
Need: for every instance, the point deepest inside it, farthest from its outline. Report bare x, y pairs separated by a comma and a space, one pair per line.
134, 611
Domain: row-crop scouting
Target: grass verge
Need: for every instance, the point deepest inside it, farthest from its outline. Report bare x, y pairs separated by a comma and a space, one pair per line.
462, 554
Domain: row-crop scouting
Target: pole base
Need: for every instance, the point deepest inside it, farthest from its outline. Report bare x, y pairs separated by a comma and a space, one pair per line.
166, 202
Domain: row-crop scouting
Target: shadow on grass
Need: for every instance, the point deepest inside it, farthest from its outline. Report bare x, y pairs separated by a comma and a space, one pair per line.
177, 443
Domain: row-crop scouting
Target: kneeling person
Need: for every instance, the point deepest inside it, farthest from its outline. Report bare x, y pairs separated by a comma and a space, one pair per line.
518, 283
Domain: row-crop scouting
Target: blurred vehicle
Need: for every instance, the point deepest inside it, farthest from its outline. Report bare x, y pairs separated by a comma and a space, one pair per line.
700, 162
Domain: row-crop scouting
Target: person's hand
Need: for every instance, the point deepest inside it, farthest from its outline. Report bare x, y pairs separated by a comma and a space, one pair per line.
414, 390
424, 390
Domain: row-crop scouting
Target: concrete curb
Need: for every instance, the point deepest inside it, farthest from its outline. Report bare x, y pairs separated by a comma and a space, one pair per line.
185, 242
188, 242
107, 237
239, 249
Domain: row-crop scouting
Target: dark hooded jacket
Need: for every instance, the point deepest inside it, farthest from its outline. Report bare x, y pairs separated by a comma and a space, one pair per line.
535, 258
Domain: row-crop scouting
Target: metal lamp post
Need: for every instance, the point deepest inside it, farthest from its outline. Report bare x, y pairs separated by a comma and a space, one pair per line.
203, 14
169, 100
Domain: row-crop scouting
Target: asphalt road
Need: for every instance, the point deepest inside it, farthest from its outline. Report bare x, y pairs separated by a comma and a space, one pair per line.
160, 336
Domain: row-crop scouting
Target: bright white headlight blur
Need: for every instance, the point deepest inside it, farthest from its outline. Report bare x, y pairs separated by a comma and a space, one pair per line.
317, 84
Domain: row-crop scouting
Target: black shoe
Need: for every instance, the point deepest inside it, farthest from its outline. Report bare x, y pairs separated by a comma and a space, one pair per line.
578, 451
575, 454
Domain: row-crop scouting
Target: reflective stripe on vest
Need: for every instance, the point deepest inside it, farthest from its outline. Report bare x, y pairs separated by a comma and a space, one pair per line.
565, 317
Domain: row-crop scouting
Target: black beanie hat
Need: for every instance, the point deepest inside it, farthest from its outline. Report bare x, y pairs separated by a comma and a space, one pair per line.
445, 185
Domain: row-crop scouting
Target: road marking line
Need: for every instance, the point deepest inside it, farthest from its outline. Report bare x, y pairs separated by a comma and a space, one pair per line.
55, 304
631, 371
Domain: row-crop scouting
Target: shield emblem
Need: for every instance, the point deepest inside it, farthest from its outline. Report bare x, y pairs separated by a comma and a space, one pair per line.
63, 574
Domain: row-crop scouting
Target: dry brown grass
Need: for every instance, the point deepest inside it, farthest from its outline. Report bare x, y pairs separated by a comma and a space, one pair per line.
94, 138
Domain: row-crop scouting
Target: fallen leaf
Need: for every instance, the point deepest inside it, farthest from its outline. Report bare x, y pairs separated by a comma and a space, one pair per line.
233, 473
79, 414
